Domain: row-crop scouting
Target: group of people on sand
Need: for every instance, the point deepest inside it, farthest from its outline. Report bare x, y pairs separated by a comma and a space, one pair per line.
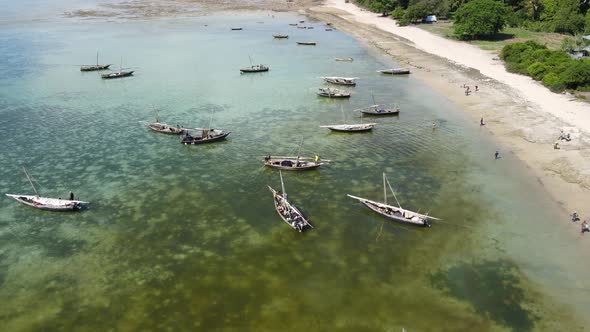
585, 227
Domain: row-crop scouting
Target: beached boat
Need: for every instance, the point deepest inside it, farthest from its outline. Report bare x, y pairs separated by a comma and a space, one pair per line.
350, 81
393, 212
287, 211
194, 136
280, 36
394, 71
332, 93
307, 43
350, 128
163, 128
47, 203
344, 59
94, 67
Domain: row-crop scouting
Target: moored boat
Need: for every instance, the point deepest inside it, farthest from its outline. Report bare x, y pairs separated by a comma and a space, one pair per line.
344, 59
287, 211
307, 43
236, 28
350, 81
47, 203
117, 74
94, 67
395, 71
332, 93
396, 213
164, 128
254, 69
360, 127
280, 36
194, 136
293, 163
380, 110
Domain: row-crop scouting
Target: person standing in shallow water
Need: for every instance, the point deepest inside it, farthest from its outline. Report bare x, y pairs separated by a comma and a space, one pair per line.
497, 155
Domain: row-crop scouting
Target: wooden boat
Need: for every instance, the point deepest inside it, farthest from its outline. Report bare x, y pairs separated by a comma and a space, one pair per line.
163, 128
194, 136
340, 80
310, 27
46, 203
280, 36
117, 74
297, 163
380, 110
332, 93
344, 59
293, 24
287, 211
396, 213
307, 43
301, 21
236, 29
301, 27
94, 67
395, 71
329, 29
254, 69
350, 128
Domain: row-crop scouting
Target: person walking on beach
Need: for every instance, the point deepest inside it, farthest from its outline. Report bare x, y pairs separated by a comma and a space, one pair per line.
481, 123
476, 88
585, 227
497, 155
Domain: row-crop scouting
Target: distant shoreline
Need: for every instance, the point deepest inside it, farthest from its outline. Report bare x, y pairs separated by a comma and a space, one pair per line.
524, 117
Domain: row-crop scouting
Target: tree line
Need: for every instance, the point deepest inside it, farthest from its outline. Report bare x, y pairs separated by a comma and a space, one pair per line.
481, 18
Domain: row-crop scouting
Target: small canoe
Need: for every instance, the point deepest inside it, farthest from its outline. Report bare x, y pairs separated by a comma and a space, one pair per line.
344, 59
292, 163
380, 110
279, 36
164, 128
118, 74
329, 29
310, 27
46, 203
307, 43
293, 24
236, 29
395, 71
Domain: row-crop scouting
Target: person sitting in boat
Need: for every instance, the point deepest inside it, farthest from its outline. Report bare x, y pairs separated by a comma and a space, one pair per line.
267, 158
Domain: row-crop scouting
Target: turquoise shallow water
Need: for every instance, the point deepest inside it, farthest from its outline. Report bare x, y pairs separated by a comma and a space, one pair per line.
186, 237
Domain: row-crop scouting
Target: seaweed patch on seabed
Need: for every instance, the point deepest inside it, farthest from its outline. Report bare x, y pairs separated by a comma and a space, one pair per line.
492, 288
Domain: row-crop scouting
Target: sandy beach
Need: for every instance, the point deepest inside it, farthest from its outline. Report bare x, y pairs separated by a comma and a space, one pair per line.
523, 116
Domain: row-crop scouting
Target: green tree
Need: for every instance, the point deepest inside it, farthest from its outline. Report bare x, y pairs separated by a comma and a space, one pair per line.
480, 18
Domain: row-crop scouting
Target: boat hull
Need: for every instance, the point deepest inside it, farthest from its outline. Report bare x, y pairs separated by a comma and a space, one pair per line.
197, 141
352, 130
376, 209
395, 72
116, 75
163, 129
244, 70
94, 68
334, 96
381, 113
49, 204
283, 164
289, 213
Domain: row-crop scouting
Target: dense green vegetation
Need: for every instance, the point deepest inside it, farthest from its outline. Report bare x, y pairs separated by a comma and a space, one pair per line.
562, 16
556, 69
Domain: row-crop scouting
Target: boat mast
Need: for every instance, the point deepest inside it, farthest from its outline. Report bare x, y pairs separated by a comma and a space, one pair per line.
299, 150
393, 192
97, 58
283, 185
384, 190
30, 181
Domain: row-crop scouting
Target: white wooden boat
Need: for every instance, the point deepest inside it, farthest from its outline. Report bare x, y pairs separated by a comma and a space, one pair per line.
344, 59
350, 81
351, 128
95, 67
393, 212
297, 163
287, 211
380, 110
117, 74
163, 128
280, 36
47, 203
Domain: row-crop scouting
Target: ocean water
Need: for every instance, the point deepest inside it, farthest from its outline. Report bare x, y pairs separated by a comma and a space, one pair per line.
186, 237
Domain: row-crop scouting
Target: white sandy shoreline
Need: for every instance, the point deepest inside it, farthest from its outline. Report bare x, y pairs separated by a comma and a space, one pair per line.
524, 116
